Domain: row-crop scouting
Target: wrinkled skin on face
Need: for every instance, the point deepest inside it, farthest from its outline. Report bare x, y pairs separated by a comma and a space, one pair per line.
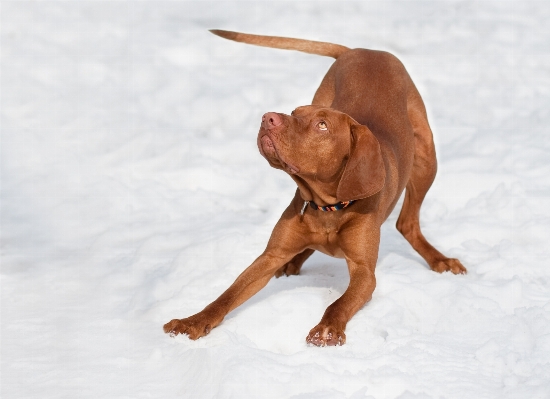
312, 142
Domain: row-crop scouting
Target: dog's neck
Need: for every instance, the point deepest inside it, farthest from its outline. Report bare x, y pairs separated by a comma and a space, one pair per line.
322, 193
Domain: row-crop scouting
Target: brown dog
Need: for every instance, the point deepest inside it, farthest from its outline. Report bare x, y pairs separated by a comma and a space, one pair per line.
364, 139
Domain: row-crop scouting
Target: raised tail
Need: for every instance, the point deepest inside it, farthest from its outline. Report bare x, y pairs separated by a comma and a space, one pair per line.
285, 43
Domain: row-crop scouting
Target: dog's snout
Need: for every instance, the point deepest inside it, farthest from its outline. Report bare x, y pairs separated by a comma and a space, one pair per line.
271, 120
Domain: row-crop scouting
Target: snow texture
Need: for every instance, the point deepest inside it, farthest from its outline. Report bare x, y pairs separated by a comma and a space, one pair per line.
132, 192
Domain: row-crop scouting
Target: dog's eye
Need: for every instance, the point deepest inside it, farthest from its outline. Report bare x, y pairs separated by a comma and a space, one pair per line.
322, 125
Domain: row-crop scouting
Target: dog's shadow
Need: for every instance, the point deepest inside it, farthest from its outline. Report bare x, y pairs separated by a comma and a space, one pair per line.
323, 271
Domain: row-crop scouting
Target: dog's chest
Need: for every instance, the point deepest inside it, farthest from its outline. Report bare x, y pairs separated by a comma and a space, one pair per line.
326, 239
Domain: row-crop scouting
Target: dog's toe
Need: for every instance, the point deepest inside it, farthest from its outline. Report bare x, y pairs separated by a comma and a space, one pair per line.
289, 269
452, 265
193, 327
324, 335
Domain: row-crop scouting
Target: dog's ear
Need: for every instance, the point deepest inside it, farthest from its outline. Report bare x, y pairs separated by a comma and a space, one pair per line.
364, 174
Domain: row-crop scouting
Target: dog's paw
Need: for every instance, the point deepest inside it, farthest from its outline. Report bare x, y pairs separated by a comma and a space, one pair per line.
326, 335
194, 326
289, 269
449, 265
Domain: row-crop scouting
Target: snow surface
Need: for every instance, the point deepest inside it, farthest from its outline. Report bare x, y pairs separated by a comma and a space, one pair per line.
132, 192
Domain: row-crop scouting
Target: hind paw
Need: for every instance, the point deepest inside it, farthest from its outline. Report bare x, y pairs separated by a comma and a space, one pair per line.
449, 265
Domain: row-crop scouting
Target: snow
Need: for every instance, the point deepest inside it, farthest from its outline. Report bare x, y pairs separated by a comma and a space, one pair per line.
132, 192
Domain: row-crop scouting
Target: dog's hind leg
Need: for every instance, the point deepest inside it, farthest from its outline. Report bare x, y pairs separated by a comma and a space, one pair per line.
422, 177
293, 267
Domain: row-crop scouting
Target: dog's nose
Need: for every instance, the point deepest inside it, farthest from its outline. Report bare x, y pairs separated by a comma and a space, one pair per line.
271, 120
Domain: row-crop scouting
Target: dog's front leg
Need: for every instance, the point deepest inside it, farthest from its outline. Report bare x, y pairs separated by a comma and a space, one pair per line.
286, 241
254, 278
361, 256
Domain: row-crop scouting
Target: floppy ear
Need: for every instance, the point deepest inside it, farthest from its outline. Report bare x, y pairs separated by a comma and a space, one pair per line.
364, 174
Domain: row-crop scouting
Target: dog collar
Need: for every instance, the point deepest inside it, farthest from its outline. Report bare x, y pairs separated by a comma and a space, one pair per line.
327, 208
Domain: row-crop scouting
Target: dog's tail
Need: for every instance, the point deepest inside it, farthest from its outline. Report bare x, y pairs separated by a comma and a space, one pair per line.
286, 43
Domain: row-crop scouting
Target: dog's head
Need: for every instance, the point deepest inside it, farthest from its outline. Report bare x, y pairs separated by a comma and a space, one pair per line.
321, 144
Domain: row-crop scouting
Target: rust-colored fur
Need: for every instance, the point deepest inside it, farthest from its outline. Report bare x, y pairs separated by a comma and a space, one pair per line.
365, 137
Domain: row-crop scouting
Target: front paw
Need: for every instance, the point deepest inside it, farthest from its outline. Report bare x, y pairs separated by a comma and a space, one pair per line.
326, 335
195, 326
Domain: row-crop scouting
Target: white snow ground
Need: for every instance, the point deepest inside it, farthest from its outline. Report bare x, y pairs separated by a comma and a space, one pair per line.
132, 193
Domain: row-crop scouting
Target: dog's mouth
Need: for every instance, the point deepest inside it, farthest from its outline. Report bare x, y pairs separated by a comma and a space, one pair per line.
269, 151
